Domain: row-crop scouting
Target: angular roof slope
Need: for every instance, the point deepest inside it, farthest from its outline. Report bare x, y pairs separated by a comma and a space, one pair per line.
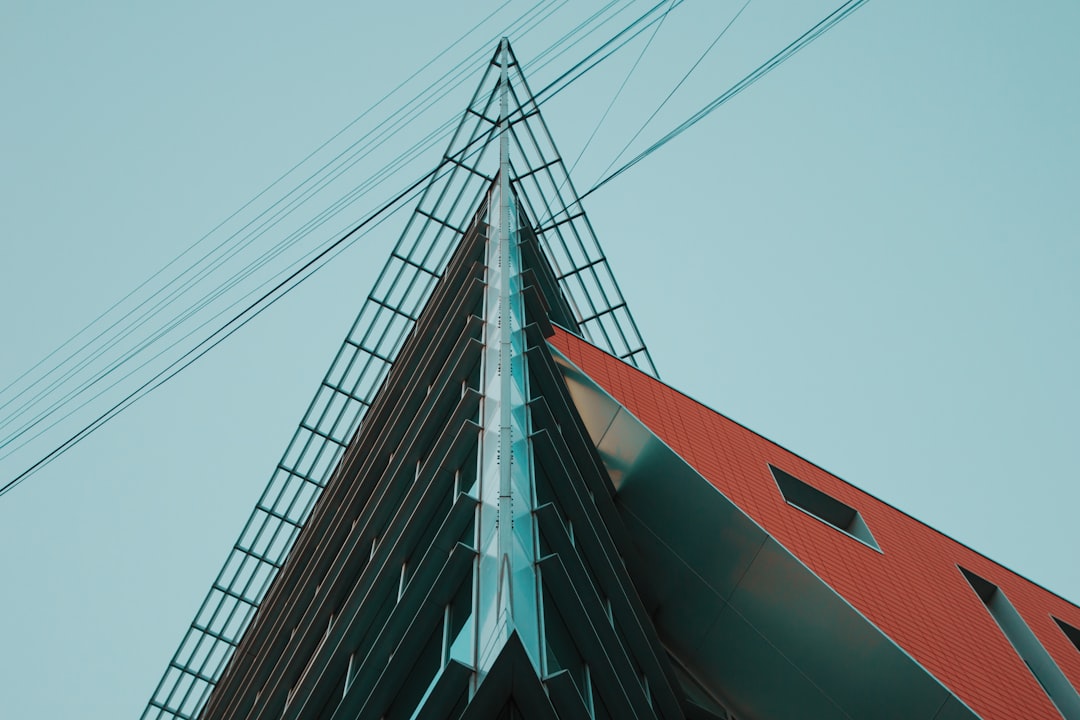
912, 589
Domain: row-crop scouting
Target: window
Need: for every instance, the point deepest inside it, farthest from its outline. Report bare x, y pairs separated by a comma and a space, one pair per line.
1027, 646
1070, 632
822, 506
985, 589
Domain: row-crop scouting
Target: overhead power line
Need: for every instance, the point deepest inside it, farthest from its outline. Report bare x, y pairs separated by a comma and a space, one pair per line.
622, 86
184, 286
230, 217
385, 130
311, 266
823, 26
678, 85
216, 338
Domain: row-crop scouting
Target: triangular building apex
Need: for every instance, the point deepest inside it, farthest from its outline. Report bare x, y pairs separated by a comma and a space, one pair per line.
501, 138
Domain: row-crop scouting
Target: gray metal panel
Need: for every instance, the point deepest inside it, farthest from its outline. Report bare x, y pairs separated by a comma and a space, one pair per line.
596, 408
626, 447
829, 641
689, 514
453, 683
511, 678
746, 618
682, 509
758, 681
564, 696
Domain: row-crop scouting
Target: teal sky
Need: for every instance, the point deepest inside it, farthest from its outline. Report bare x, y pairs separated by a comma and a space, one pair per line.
871, 257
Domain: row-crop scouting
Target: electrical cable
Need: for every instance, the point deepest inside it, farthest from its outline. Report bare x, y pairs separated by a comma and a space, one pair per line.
191, 281
823, 26
678, 85
131, 327
179, 291
269, 254
172, 370
239, 210
618, 92
268, 298
318, 221
575, 68
539, 57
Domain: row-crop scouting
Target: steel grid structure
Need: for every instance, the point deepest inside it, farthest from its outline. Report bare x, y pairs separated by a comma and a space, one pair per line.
447, 208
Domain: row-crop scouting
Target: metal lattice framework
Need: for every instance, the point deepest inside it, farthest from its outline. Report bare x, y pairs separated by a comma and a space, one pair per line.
446, 209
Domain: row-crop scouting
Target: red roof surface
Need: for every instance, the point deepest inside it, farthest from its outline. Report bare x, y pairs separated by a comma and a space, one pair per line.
911, 590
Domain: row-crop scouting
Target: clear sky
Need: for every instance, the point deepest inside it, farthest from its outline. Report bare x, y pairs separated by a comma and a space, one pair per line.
870, 257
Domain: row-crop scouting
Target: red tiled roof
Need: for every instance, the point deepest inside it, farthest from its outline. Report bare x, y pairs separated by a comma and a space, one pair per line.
912, 590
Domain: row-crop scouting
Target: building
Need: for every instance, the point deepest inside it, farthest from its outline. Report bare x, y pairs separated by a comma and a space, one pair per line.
493, 508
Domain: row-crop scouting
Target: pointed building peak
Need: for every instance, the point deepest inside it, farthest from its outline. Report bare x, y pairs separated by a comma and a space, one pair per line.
505, 110
500, 179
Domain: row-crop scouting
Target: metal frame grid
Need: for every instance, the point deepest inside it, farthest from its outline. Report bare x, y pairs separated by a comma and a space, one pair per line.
446, 209
566, 235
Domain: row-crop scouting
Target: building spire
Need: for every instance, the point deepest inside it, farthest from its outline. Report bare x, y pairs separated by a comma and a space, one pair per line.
473, 207
504, 111
507, 586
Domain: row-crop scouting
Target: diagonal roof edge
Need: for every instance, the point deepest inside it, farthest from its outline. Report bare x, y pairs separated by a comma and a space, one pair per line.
917, 561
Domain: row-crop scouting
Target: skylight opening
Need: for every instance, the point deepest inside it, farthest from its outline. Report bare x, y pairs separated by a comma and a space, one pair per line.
1042, 666
824, 507
1070, 632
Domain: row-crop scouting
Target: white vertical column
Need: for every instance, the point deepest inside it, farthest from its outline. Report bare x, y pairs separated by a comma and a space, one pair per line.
506, 578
